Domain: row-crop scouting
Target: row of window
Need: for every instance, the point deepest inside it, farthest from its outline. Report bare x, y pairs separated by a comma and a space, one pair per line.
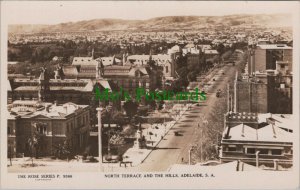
81, 120
254, 150
130, 83
56, 84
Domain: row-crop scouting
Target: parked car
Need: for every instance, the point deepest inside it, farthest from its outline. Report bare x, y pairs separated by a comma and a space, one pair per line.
218, 93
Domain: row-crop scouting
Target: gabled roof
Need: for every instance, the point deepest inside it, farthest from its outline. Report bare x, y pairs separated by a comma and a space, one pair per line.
189, 46
210, 51
84, 61
274, 133
269, 133
104, 83
242, 132
70, 70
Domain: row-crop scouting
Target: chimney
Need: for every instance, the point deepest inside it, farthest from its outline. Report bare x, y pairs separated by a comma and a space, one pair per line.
274, 132
276, 164
228, 132
238, 165
243, 130
47, 108
257, 158
65, 108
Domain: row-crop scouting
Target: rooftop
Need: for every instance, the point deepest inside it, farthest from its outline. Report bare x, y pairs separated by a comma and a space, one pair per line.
84, 61
274, 46
210, 51
269, 133
56, 111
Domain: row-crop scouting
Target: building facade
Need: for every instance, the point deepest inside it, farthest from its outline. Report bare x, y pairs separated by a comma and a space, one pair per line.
53, 125
260, 143
264, 57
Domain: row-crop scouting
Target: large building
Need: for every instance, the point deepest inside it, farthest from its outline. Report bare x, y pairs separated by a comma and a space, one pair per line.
85, 67
131, 77
268, 82
265, 56
263, 93
261, 140
79, 91
52, 124
167, 63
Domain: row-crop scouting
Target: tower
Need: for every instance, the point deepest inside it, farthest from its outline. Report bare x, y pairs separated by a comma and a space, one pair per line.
44, 87
150, 55
99, 67
93, 53
124, 59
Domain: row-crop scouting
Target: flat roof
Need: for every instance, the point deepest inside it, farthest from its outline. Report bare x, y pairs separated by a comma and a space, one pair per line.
274, 46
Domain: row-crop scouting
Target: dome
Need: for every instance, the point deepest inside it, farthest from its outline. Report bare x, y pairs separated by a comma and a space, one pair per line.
175, 49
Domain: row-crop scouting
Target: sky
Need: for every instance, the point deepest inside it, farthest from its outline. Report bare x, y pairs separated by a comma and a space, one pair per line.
54, 12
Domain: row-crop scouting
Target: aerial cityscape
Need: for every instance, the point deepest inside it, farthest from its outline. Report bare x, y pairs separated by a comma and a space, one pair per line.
168, 93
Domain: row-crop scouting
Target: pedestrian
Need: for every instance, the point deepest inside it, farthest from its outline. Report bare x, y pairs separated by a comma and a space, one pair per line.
182, 159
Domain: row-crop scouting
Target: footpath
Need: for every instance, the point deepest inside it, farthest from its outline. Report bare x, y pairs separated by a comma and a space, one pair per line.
153, 136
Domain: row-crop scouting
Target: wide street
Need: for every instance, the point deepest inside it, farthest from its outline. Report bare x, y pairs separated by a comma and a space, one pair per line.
173, 148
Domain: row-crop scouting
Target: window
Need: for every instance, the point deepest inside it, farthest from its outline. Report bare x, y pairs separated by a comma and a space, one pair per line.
167, 69
42, 129
276, 152
263, 151
250, 150
9, 131
232, 149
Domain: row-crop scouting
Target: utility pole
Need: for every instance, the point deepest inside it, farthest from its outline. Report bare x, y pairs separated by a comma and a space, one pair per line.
99, 109
190, 152
201, 145
228, 101
235, 92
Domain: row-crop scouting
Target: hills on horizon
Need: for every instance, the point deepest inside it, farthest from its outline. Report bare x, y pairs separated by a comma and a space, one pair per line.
167, 23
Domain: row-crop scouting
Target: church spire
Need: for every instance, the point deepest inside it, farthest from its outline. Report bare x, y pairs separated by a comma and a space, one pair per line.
43, 84
150, 56
93, 53
99, 67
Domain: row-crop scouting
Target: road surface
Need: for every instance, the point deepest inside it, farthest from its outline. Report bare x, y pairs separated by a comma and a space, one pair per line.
173, 148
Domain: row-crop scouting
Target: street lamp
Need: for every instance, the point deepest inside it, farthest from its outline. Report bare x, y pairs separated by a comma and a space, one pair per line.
99, 110
190, 154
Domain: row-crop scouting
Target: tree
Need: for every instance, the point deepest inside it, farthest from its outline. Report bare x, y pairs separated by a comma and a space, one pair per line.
62, 150
32, 144
221, 48
130, 108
